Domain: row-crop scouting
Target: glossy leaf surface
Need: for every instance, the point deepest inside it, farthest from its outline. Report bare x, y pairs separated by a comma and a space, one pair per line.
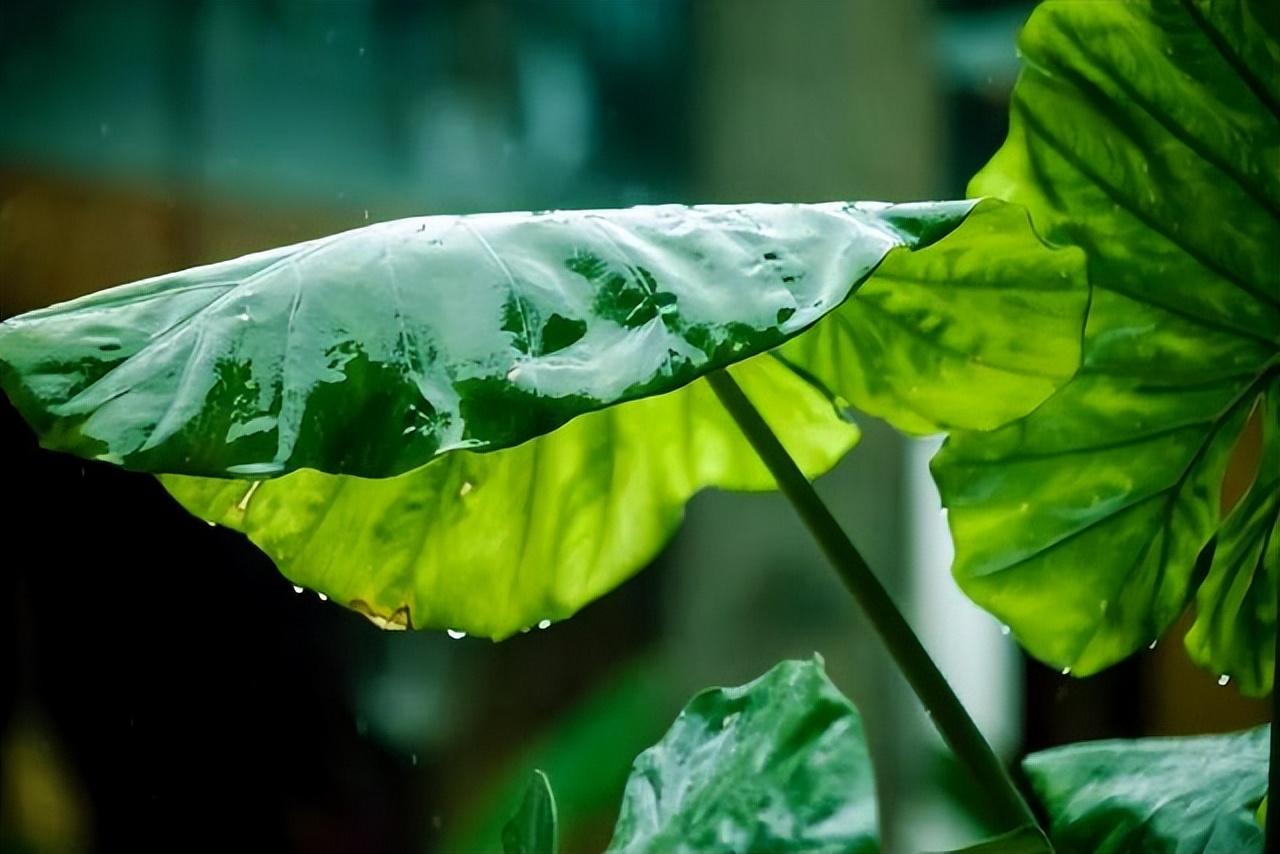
1155, 795
779, 764
534, 828
490, 544
374, 351
1147, 134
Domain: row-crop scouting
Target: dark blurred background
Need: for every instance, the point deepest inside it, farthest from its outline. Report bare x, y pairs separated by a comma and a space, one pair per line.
164, 688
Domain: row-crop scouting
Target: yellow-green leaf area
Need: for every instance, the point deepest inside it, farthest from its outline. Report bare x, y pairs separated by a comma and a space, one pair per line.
490, 544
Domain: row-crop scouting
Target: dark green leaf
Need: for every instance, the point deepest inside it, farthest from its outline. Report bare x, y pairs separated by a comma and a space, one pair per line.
1155, 795
1146, 134
373, 352
534, 828
778, 765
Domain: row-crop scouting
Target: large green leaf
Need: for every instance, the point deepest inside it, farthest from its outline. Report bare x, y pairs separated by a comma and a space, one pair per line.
779, 764
374, 351
437, 339
1147, 134
1155, 795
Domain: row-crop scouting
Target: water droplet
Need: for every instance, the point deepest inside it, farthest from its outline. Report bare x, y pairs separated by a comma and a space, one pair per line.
1224, 679
323, 598
1004, 630
413, 758
455, 634
297, 589
544, 624
243, 316
466, 487
1153, 644
1066, 671
366, 216
211, 524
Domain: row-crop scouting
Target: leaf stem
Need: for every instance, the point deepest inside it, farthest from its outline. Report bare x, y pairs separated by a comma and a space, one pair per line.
944, 708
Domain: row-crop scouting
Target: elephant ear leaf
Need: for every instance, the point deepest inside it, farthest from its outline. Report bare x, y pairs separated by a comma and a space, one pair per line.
480, 423
1147, 134
375, 351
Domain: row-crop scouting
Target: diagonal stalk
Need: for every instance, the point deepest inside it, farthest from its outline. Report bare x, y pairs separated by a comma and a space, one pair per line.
944, 708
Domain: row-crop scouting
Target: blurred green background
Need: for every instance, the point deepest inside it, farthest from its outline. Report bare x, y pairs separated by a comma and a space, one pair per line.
166, 689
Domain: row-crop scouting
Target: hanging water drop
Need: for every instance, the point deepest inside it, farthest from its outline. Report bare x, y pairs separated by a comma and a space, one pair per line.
455, 634
1004, 630
1153, 644
1224, 679
323, 598
297, 588
1066, 671
466, 487
544, 624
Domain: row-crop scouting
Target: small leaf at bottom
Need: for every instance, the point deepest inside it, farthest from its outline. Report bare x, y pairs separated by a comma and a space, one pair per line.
533, 829
779, 764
